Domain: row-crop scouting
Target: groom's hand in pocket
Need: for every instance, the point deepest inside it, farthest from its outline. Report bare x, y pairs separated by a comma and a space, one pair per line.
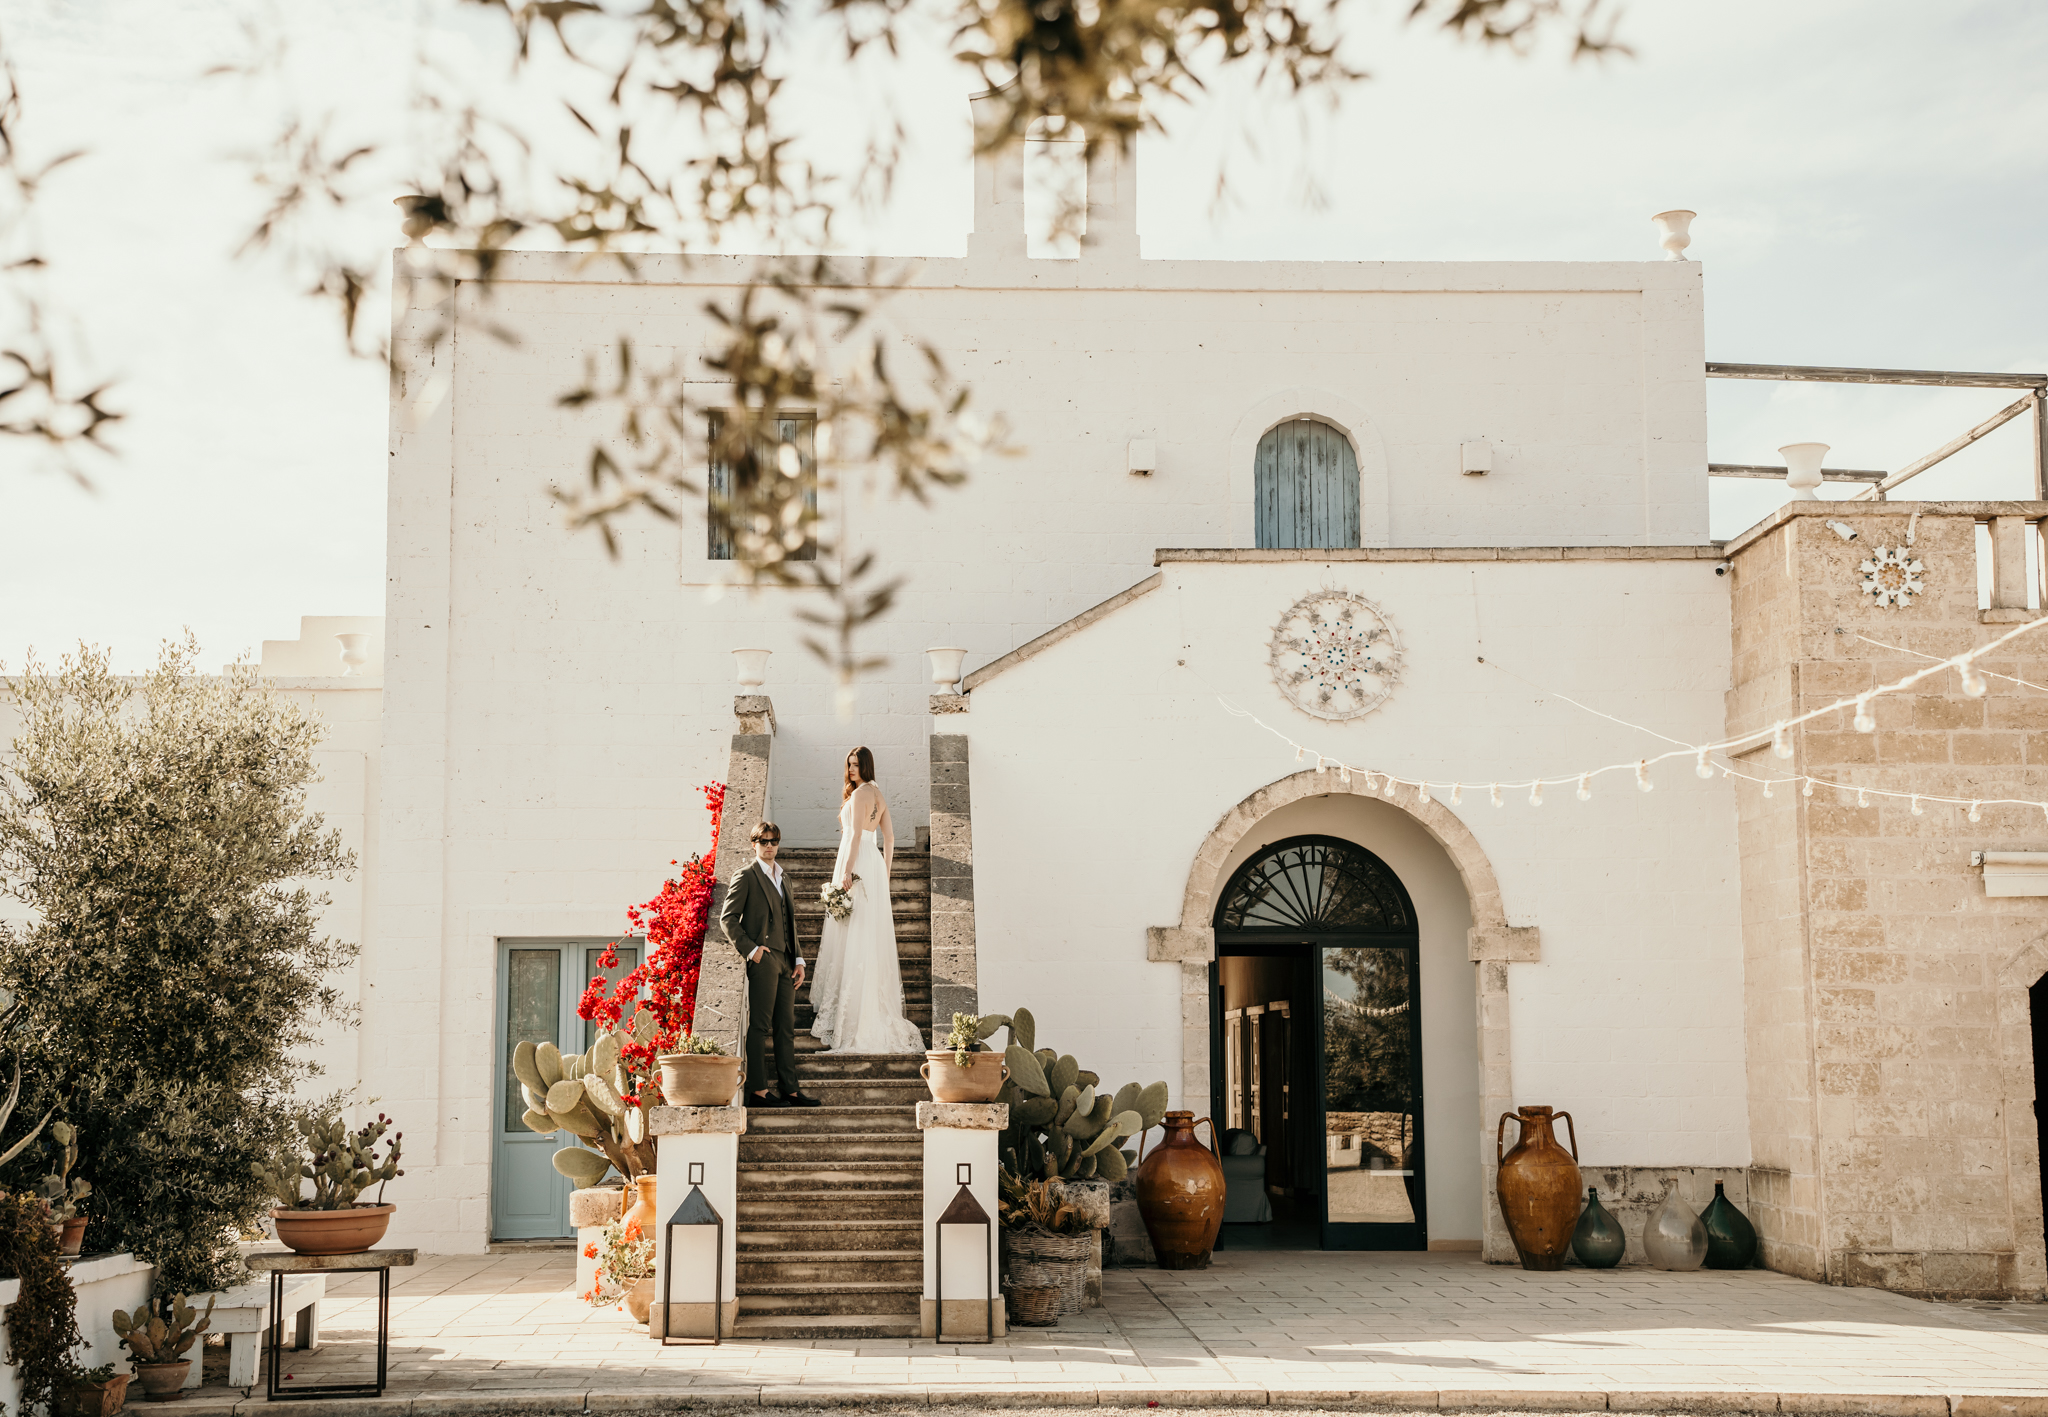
760, 953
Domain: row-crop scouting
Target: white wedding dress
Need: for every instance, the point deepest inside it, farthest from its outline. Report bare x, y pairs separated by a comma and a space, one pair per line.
857, 992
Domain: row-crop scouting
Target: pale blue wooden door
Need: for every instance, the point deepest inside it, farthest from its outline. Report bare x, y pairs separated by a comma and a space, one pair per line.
1305, 487
539, 985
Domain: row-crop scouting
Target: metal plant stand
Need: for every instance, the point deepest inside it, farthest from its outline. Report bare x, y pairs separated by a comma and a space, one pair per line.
278, 1263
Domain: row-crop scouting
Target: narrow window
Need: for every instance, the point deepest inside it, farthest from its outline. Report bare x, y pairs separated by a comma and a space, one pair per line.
1305, 487
795, 430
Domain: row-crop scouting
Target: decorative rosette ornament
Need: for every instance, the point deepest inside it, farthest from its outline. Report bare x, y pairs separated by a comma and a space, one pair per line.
1892, 575
1335, 655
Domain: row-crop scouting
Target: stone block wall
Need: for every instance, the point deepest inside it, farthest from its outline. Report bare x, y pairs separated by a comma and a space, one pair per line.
1890, 1067
954, 978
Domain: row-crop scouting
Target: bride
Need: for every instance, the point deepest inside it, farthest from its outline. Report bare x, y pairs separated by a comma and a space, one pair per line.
857, 996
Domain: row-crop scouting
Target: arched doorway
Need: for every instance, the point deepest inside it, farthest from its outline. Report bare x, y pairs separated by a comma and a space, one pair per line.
1317, 1047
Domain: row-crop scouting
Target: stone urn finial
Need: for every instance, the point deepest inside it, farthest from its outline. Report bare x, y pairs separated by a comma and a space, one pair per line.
946, 663
354, 653
753, 666
1674, 232
1802, 469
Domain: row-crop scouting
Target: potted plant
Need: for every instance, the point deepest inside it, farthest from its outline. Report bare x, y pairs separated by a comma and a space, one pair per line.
158, 1340
1046, 1244
965, 1070
341, 1165
700, 1073
625, 1269
92, 1392
597, 1098
64, 1196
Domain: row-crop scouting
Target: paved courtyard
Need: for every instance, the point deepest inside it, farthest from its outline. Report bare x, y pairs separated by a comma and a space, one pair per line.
1419, 1331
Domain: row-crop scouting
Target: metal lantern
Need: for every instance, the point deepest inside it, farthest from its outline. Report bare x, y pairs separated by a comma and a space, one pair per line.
696, 1209
964, 1211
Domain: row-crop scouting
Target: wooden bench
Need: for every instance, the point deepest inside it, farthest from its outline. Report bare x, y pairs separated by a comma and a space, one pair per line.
240, 1313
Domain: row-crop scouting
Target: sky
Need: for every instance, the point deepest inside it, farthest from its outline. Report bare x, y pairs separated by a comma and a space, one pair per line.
1869, 175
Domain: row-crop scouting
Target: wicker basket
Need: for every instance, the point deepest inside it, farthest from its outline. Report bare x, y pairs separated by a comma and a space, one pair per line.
1060, 1261
1033, 1306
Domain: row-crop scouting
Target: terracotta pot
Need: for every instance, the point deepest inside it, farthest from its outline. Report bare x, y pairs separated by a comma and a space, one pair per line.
1538, 1186
639, 1299
1180, 1195
332, 1232
979, 1081
93, 1399
640, 1209
73, 1238
163, 1381
699, 1079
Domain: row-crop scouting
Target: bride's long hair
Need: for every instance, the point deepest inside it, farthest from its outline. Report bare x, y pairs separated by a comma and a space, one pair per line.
860, 767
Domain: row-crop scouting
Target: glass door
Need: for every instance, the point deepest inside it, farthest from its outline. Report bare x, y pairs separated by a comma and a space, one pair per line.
1371, 1099
540, 983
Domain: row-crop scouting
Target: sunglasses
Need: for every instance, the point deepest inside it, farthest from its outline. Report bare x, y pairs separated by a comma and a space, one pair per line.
769, 840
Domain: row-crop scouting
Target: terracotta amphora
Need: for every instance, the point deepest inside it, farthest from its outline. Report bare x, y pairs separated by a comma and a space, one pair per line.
640, 1209
1180, 1195
1539, 1186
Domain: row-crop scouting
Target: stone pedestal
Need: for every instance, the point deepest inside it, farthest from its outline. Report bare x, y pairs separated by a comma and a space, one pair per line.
710, 1137
590, 1210
960, 1134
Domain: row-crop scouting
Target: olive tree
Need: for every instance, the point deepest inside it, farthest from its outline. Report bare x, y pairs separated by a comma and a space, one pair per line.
173, 967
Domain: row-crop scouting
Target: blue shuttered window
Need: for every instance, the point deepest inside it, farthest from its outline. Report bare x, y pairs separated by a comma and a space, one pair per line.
798, 429
1305, 487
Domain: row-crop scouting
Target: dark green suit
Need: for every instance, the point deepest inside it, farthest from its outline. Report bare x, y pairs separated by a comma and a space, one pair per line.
756, 914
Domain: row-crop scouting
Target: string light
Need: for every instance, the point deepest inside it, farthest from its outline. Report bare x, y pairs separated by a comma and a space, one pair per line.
1344, 774
1536, 794
1964, 664
1372, 783
1457, 793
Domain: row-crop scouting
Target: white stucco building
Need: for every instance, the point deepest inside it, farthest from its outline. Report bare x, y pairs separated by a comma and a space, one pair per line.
519, 761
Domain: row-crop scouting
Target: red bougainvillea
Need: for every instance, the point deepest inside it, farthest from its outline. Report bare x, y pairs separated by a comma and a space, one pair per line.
665, 984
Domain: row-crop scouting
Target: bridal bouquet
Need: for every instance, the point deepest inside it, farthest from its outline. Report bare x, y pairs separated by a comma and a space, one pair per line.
838, 902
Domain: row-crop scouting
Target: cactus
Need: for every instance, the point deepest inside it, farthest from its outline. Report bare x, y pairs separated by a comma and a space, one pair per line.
1061, 1126
341, 1164
64, 1196
594, 1097
152, 1340
970, 1035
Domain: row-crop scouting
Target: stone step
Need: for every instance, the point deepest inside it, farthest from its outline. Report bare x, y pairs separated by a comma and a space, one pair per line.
829, 1121
841, 1269
874, 1146
793, 1327
776, 1179
862, 1067
858, 1298
777, 1211
784, 1239
868, 1092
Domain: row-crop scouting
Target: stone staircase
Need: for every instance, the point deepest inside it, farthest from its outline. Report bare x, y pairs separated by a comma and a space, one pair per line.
830, 1230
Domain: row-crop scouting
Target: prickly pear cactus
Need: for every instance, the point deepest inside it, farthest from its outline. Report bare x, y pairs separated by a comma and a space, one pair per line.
1061, 1127
595, 1098
152, 1340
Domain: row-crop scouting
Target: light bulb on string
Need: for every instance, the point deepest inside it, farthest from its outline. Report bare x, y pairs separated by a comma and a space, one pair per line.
1388, 789
1779, 744
1320, 765
1916, 806
1585, 787
1299, 752
1975, 814
1701, 767
1767, 789
1863, 721
1643, 783
1457, 793
1726, 772
1807, 791
1973, 681
1536, 793
1422, 794
1494, 789
1862, 798
1344, 773
1371, 783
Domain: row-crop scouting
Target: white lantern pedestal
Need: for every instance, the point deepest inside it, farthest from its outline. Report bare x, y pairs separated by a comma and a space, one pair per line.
958, 1134
710, 1137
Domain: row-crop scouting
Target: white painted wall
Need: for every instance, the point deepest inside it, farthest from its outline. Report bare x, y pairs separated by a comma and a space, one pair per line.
1100, 766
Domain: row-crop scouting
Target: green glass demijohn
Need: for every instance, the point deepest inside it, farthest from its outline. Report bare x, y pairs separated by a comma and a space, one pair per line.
1731, 1239
1598, 1240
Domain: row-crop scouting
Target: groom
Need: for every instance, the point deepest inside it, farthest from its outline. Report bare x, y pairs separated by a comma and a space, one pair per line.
761, 923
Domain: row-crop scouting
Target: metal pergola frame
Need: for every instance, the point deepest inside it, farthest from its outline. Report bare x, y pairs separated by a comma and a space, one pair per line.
2034, 401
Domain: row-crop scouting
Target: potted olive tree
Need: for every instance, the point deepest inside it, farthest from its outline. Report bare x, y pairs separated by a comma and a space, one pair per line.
341, 1164
159, 1342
